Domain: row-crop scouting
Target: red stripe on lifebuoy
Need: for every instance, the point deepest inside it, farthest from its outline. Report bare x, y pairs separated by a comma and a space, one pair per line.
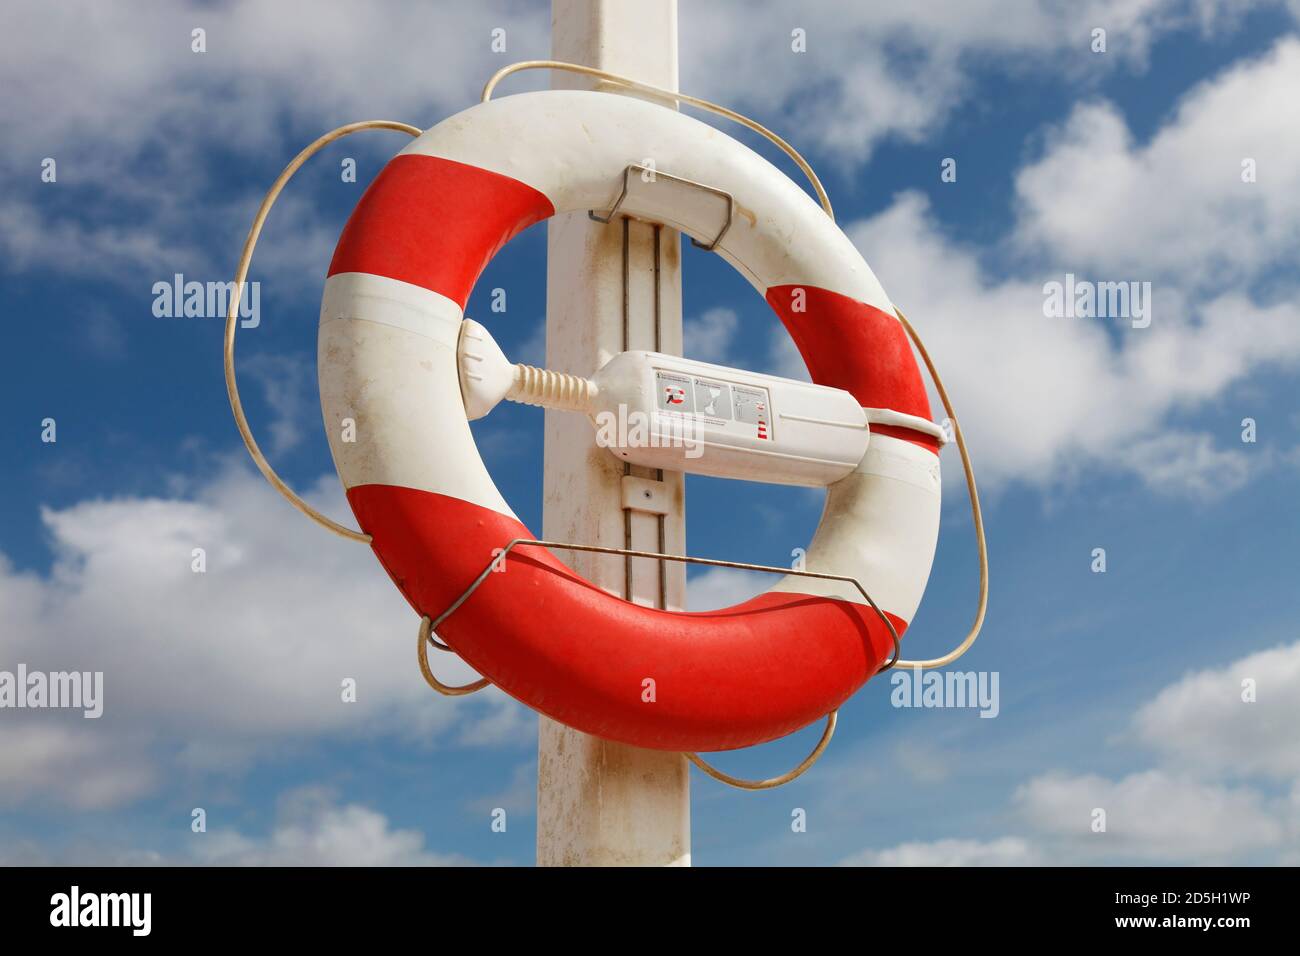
435, 223
553, 640
928, 442
854, 346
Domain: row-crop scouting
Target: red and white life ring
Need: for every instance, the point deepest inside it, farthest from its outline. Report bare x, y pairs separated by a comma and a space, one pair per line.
391, 314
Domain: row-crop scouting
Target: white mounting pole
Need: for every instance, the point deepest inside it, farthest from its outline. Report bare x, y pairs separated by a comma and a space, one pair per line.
610, 288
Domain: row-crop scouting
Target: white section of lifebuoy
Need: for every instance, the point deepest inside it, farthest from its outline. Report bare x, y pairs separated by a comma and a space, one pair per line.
574, 146
880, 525
387, 359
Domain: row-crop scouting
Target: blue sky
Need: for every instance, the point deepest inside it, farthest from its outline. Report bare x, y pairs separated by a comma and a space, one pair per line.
1118, 690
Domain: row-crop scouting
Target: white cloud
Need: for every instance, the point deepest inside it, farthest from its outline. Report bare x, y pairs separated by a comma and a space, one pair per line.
65, 757
504, 724
877, 71
288, 389
312, 830
1152, 815
244, 660
709, 336
1202, 722
1006, 851
30, 239
272, 64
1190, 464
1175, 209
518, 798
136, 133
723, 587
533, 349
1212, 794
1041, 398
783, 357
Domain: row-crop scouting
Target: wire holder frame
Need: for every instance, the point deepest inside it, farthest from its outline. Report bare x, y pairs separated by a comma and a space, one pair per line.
428, 636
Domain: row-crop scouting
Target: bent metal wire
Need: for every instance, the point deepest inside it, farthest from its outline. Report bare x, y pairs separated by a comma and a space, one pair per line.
498, 560
428, 636
647, 171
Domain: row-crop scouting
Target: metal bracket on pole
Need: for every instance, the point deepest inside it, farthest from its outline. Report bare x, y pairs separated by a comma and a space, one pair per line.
646, 494
651, 175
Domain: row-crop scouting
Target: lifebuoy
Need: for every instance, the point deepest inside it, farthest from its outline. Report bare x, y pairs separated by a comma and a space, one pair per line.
387, 351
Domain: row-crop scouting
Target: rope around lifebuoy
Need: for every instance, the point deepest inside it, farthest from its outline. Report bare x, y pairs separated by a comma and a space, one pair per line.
241, 274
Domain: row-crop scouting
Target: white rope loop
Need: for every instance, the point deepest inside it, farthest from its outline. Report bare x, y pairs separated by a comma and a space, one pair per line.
422, 652
241, 274
742, 784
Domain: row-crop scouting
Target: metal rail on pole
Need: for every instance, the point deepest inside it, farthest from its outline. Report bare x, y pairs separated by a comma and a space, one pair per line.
611, 288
